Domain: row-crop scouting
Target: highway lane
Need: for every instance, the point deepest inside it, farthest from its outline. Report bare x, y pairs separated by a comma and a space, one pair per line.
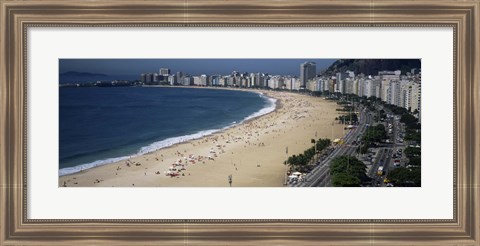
383, 159
389, 162
379, 157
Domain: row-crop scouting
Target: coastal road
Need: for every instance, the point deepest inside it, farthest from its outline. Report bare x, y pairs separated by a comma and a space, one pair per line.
319, 176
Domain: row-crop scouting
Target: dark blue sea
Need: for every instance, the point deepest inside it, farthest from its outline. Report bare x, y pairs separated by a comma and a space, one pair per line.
104, 125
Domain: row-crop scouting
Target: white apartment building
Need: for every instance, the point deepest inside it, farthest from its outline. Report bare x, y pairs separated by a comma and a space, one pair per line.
384, 87
203, 80
370, 88
164, 71
355, 86
197, 80
172, 79
273, 82
361, 87
348, 85
416, 98
393, 96
389, 75
315, 84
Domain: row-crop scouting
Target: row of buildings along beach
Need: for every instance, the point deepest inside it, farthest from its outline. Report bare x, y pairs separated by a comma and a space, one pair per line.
392, 87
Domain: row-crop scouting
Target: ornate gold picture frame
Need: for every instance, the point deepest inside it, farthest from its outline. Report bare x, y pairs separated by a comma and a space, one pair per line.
17, 16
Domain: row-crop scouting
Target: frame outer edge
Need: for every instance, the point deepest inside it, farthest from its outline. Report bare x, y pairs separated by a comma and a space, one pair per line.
9, 154
476, 87
3, 123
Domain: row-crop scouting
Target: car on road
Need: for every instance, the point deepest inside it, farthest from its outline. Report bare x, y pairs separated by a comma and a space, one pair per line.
380, 171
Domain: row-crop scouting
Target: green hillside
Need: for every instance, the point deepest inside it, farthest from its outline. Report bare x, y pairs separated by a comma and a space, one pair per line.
372, 66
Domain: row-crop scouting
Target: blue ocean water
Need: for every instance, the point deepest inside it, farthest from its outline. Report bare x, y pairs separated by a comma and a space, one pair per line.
103, 125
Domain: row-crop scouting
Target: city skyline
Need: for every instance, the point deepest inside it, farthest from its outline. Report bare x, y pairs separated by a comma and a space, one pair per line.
190, 66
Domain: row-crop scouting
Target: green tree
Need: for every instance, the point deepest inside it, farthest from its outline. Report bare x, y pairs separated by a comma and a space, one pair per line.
405, 177
345, 180
293, 161
415, 161
362, 149
410, 121
413, 135
412, 152
375, 134
343, 168
323, 144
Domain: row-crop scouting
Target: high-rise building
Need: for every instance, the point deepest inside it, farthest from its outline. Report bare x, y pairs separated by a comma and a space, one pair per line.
223, 81
149, 78
349, 86
164, 71
331, 85
143, 77
288, 83
172, 80
264, 80
230, 81
384, 87
378, 88
156, 78
405, 94
215, 80
369, 90
197, 81
341, 82
179, 77
275, 82
315, 84
361, 87
187, 80
258, 81
371, 87
355, 86
204, 80
390, 75
308, 70
393, 96
416, 98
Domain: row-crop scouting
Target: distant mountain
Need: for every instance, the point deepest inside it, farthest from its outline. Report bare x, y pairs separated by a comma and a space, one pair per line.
85, 77
372, 66
80, 77
82, 74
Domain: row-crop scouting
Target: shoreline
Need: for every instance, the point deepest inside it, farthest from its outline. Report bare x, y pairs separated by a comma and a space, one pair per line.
181, 139
208, 160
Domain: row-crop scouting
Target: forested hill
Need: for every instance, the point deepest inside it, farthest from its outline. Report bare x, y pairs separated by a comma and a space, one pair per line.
372, 66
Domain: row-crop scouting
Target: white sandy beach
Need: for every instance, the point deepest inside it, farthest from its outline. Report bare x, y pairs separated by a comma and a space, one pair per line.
252, 152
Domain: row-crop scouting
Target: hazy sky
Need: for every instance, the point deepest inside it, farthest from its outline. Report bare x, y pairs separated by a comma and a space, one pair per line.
190, 66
